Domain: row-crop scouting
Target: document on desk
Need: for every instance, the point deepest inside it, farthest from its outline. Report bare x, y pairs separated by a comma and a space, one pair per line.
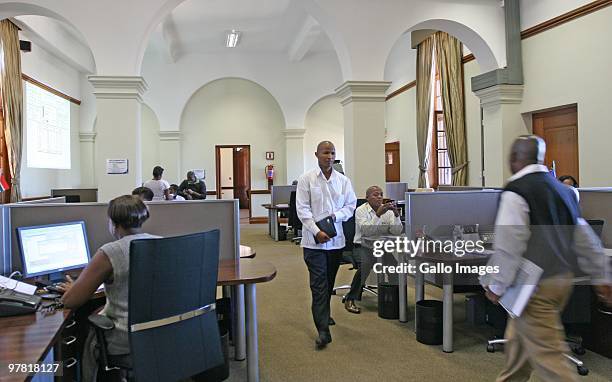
517, 296
18, 286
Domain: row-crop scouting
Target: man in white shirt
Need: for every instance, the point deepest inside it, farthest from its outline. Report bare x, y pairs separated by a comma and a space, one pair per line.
373, 218
321, 193
158, 185
539, 220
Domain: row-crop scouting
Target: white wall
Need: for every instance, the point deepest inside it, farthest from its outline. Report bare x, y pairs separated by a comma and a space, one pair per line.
48, 69
150, 145
401, 126
534, 12
571, 64
324, 122
233, 111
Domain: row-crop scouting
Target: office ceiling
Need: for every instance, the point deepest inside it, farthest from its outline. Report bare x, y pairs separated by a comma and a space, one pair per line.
267, 26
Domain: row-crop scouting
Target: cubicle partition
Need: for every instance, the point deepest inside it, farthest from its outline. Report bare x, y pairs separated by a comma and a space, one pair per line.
441, 210
167, 219
77, 195
395, 190
596, 204
59, 199
281, 194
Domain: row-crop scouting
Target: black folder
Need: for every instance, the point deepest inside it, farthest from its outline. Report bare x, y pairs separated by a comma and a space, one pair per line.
326, 225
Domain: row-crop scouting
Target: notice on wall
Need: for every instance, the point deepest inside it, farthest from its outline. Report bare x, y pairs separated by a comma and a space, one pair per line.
116, 166
199, 173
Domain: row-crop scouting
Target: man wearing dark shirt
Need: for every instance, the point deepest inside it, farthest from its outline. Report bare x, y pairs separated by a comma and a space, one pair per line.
192, 188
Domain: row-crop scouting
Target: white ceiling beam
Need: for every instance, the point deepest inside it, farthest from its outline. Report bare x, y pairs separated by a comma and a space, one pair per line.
304, 40
171, 39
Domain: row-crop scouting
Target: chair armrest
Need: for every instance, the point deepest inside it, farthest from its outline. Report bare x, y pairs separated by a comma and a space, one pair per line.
100, 321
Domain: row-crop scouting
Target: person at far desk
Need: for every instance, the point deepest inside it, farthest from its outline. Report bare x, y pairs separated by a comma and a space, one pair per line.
110, 265
192, 188
323, 193
373, 218
539, 220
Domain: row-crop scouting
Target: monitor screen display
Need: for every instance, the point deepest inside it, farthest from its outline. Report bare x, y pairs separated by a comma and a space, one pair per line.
53, 248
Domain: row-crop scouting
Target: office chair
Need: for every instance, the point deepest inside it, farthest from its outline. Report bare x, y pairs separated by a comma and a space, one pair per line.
172, 323
348, 227
294, 222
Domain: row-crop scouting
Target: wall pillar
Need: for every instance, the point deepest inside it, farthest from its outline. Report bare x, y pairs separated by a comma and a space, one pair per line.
87, 141
294, 139
502, 123
118, 105
170, 155
364, 132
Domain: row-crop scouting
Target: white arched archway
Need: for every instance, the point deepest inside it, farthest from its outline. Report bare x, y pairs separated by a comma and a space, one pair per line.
233, 111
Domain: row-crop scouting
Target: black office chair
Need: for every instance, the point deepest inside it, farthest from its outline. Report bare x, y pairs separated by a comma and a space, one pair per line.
294, 222
172, 323
348, 227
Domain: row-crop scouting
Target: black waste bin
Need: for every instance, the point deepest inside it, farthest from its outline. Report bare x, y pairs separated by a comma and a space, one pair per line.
388, 300
429, 322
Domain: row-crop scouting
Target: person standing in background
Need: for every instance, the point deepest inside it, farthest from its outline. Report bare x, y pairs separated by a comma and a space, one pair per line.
158, 185
323, 193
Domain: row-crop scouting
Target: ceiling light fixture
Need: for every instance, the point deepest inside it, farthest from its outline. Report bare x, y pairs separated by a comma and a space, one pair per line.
232, 39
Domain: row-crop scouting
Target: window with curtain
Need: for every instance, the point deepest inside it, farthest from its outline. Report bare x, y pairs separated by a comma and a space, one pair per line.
439, 170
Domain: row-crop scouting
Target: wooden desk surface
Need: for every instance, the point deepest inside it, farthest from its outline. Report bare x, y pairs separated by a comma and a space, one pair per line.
28, 338
277, 207
248, 271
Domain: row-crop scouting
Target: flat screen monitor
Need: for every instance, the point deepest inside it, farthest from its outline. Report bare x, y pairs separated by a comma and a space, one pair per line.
53, 248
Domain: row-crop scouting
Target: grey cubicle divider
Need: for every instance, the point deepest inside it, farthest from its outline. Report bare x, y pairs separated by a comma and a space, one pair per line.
281, 194
443, 209
596, 204
59, 199
459, 188
85, 195
167, 219
395, 190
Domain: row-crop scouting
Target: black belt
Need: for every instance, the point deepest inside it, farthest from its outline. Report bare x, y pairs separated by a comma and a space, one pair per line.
356, 245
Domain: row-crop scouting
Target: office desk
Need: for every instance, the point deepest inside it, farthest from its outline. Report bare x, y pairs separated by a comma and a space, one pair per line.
273, 212
28, 339
447, 287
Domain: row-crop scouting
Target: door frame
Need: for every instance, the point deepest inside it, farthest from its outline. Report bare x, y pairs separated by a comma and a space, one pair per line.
218, 169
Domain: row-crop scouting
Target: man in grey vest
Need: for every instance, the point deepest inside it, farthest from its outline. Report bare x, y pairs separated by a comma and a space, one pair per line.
539, 220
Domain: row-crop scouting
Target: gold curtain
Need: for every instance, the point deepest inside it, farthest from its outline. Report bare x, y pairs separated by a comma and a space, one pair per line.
423, 112
12, 100
448, 57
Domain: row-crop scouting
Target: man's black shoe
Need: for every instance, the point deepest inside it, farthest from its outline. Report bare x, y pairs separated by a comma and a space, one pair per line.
331, 322
322, 341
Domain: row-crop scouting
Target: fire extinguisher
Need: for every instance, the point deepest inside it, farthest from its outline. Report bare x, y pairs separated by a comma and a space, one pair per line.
270, 172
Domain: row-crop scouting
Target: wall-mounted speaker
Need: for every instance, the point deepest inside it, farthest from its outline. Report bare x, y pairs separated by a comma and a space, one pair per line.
25, 46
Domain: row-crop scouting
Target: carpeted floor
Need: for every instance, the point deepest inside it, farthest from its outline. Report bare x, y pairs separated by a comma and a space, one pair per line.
365, 347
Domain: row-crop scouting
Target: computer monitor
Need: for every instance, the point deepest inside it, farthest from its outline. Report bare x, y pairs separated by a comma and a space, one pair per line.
51, 249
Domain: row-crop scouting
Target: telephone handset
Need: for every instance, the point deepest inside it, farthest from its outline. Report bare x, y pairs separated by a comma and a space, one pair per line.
13, 303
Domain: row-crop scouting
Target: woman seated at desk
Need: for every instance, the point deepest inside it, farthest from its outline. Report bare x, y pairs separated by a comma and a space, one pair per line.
110, 265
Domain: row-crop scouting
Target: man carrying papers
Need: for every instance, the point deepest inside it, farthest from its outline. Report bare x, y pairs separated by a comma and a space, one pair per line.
538, 223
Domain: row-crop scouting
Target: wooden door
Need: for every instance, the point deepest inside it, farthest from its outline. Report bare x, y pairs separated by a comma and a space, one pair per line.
559, 128
242, 175
392, 162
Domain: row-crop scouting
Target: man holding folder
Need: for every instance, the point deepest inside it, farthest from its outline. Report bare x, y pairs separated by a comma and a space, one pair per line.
538, 225
324, 199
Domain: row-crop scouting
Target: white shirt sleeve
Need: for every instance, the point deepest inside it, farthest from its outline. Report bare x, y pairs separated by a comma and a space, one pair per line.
511, 236
350, 202
302, 204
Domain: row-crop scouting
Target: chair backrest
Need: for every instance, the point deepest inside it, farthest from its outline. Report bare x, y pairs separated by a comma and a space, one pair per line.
349, 228
294, 221
169, 277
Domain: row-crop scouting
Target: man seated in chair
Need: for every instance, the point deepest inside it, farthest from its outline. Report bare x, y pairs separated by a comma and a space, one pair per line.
111, 266
373, 218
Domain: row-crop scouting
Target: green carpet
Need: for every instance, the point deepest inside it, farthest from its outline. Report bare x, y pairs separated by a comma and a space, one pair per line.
365, 347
